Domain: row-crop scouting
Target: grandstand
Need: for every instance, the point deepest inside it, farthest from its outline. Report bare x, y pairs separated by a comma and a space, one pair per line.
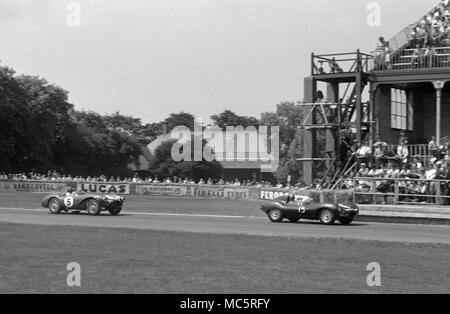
396, 97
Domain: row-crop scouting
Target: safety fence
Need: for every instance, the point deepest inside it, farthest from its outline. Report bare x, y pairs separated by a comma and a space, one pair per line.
401, 191
175, 190
395, 191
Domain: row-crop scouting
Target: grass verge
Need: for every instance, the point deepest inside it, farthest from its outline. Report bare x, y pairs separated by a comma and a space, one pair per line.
33, 259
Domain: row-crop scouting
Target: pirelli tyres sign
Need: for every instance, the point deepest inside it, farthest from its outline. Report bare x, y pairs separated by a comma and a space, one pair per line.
219, 193
104, 188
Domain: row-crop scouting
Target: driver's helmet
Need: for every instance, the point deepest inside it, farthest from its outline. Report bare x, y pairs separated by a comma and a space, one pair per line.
69, 190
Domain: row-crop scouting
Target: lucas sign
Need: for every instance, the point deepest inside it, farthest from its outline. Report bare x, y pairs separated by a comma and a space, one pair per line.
104, 188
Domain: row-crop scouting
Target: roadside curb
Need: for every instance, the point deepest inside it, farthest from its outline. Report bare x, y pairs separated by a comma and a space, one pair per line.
405, 214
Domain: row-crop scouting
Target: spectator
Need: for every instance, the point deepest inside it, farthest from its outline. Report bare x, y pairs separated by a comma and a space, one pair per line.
379, 155
364, 153
432, 147
402, 155
417, 57
334, 66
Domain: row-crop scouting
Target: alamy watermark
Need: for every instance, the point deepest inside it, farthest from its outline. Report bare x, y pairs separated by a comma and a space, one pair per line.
374, 17
374, 277
73, 278
234, 144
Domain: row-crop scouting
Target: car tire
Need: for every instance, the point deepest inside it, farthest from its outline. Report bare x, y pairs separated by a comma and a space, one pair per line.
275, 215
54, 206
326, 217
294, 220
93, 207
115, 211
345, 221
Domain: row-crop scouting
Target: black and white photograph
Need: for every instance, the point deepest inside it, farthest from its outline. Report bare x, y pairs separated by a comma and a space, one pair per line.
224, 155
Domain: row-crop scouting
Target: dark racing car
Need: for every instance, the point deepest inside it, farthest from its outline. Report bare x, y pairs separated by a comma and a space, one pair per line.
94, 204
295, 208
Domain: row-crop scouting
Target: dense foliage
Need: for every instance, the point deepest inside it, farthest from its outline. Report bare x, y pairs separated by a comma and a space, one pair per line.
40, 130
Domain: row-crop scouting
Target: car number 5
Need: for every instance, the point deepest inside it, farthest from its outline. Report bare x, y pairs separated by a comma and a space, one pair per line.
68, 201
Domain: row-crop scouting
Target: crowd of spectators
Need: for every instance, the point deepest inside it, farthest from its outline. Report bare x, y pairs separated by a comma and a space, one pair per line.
428, 34
376, 169
55, 176
433, 29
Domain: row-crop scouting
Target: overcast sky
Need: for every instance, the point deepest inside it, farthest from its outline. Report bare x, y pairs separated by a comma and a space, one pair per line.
149, 58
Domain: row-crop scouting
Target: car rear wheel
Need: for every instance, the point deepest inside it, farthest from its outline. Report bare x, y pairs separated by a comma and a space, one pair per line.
54, 206
326, 217
275, 215
345, 221
115, 211
93, 207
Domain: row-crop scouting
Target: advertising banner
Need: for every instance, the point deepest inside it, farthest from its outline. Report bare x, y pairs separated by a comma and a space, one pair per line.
271, 194
161, 190
104, 188
216, 192
32, 186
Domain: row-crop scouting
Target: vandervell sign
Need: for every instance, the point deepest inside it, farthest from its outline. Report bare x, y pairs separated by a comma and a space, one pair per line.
36, 186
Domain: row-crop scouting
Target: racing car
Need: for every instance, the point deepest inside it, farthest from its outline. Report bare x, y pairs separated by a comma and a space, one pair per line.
295, 208
94, 204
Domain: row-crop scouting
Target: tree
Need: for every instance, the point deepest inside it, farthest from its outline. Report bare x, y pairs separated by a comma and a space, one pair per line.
229, 118
164, 166
129, 125
288, 117
179, 119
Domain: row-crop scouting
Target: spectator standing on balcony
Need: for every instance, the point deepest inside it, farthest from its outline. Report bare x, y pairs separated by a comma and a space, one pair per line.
432, 147
417, 57
380, 158
387, 57
364, 153
379, 53
430, 56
382, 44
402, 154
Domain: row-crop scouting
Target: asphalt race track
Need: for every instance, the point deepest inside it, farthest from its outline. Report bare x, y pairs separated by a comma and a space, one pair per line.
234, 225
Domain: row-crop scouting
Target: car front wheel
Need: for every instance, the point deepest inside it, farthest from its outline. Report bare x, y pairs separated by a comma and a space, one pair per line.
93, 207
275, 215
54, 206
326, 217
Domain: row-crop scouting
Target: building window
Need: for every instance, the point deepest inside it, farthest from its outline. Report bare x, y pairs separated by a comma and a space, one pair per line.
401, 110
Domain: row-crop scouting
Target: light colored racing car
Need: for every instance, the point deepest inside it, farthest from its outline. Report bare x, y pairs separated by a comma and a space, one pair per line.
94, 204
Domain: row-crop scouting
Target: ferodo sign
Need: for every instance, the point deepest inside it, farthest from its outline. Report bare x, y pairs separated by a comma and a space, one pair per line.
271, 195
164, 190
105, 188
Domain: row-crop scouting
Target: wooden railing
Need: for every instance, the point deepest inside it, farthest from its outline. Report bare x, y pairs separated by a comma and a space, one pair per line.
410, 59
341, 63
